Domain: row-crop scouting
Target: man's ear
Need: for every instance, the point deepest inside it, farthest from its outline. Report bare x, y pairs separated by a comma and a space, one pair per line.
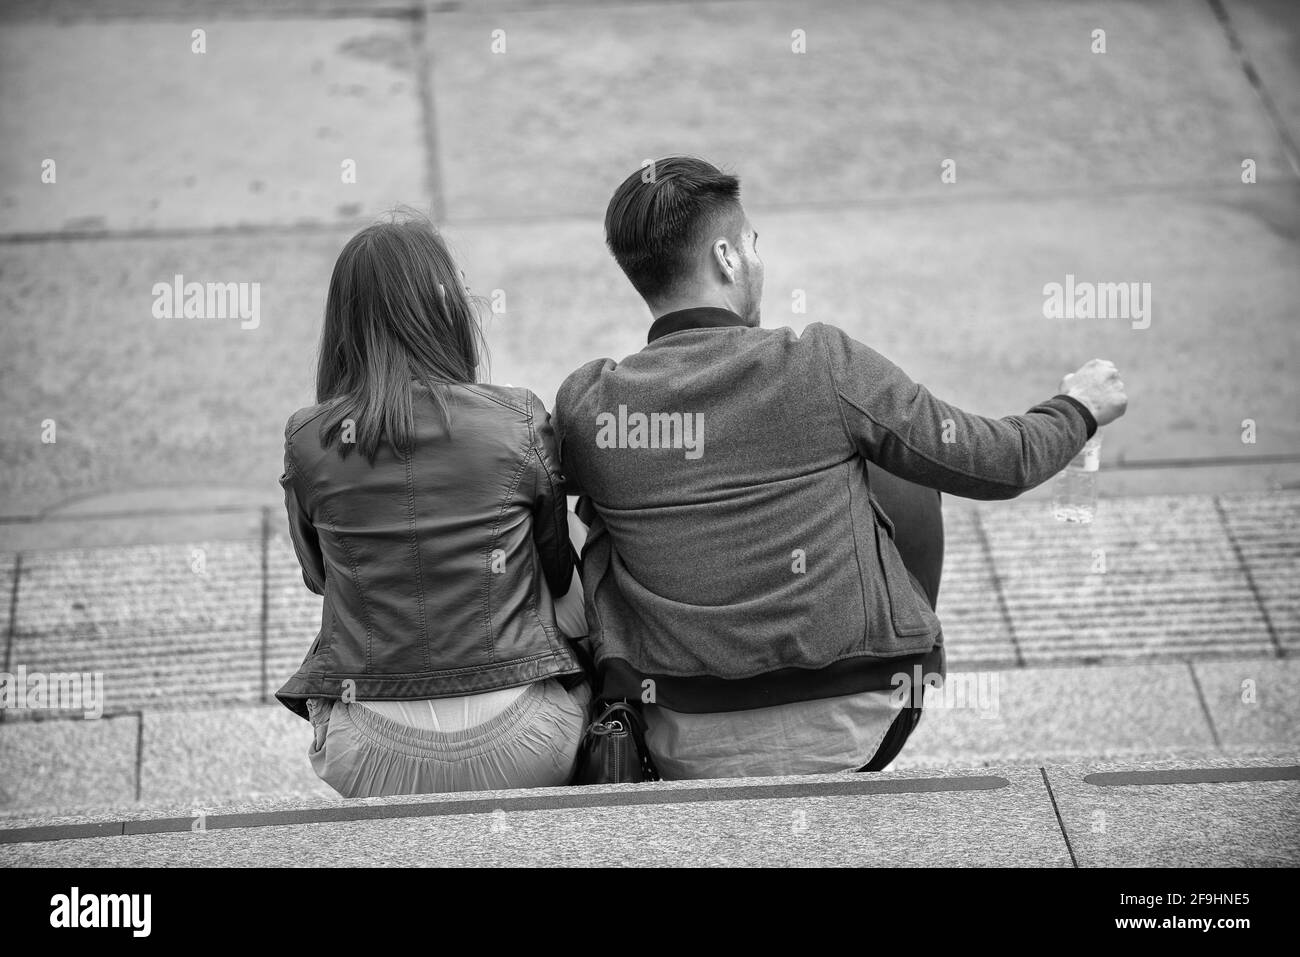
724, 257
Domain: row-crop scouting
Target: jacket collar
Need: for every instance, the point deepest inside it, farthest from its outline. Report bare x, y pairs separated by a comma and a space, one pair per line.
700, 317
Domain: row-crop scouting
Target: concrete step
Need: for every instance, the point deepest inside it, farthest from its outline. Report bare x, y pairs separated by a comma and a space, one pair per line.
187, 625
206, 758
1197, 813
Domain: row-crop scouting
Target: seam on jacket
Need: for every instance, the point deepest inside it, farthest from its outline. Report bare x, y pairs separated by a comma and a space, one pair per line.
561, 530
669, 335
292, 470
298, 550
538, 557
293, 464
750, 675
419, 561
857, 554
492, 398
935, 462
516, 663
835, 388
356, 580
490, 638
533, 554
561, 526
830, 366
878, 561
325, 407
1090, 425
591, 597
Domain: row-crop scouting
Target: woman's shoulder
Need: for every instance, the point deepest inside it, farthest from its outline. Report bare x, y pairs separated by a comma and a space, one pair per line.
302, 417
514, 398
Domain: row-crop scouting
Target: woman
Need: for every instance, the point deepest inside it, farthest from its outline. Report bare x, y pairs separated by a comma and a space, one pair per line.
428, 510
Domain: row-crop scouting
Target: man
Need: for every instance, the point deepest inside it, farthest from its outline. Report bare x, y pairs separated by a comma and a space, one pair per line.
741, 578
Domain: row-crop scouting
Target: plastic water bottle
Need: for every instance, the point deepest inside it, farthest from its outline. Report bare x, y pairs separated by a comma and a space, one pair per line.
1074, 496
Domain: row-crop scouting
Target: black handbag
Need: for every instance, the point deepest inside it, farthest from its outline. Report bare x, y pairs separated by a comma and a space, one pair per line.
612, 750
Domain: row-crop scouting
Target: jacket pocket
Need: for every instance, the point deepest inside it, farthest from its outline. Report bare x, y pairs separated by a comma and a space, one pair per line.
910, 614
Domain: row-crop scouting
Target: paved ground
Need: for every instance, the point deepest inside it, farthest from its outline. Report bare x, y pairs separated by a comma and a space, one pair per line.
1122, 166
1006, 717
1211, 812
1167, 628
146, 542
1155, 579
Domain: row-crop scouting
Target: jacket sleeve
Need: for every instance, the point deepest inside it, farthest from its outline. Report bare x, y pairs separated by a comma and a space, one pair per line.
571, 485
306, 543
550, 509
899, 425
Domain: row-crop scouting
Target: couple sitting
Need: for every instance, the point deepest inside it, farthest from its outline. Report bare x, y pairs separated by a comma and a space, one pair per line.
763, 539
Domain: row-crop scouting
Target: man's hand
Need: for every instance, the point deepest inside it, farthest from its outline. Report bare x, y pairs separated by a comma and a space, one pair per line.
1098, 386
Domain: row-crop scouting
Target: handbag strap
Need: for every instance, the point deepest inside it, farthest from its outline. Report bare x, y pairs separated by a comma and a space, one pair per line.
621, 710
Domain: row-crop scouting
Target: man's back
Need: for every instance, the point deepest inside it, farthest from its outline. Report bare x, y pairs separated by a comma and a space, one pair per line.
739, 560
739, 573
738, 554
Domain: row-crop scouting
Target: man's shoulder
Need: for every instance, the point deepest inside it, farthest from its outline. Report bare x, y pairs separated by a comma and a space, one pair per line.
579, 383
816, 334
801, 351
808, 338
839, 348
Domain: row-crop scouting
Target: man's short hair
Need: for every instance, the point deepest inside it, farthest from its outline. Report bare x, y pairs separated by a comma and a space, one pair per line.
659, 214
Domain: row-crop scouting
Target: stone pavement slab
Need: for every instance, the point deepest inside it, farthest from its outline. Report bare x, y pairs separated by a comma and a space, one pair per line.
1266, 532
206, 758
110, 529
953, 293
890, 822
977, 631
169, 637
1010, 717
147, 134
884, 93
72, 10
65, 764
1252, 703
8, 562
1269, 31
1235, 811
168, 623
145, 403
1235, 823
1058, 715
1149, 573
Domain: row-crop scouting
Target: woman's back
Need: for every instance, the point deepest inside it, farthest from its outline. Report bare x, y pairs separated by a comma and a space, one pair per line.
436, 557
429, 512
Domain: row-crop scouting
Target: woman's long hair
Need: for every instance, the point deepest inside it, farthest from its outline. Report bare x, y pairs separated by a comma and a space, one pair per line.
397, 314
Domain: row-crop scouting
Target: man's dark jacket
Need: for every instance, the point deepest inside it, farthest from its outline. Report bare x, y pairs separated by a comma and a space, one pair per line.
738, 558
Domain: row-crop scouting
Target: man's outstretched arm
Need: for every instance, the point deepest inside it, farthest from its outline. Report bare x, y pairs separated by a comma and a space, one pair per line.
901, 426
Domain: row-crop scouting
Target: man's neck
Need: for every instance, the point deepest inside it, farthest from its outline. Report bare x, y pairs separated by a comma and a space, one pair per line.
658, 309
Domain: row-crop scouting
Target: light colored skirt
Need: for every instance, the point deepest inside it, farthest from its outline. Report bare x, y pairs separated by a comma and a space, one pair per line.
532, 743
